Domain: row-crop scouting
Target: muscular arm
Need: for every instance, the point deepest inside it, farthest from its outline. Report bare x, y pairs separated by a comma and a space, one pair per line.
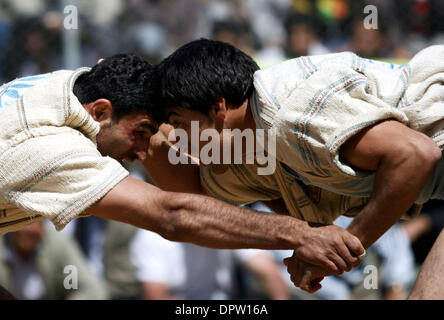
330, 247
198, 219
403, 160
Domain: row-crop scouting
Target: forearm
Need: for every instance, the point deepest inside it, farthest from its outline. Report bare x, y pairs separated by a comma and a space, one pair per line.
398, 183
198, 219
213, 223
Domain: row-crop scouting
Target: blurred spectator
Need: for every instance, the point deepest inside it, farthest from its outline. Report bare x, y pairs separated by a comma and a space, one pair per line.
149, 40
174, 270
183, 20
375, 43
302, 38
368, 43
106, 247
38, 46
332, 17
29, 8
103, 13
236, 33
33, 261
89, 234
266, 18
119, 271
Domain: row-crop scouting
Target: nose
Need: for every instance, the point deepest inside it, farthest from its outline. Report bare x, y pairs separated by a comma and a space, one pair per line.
141, 148
140, 151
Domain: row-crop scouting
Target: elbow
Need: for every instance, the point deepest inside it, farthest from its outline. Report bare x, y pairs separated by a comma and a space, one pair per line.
424, 151
435, 153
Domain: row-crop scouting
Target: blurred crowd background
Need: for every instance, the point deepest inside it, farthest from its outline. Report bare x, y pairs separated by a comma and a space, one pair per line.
117, 261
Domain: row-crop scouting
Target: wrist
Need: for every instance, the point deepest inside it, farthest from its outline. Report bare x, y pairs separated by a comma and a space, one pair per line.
359, 227
300, 231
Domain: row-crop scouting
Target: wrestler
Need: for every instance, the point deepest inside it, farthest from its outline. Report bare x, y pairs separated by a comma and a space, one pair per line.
353, 136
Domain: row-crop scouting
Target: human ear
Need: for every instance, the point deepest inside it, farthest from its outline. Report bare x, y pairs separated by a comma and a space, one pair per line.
218, 110
100, 109
218, 114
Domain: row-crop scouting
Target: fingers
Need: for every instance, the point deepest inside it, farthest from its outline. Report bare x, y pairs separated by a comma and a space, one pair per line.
354, 245
305, 283
303, 275
362, 256
309, 284
332, 248
324, 262
331, 267
316, 284
348, 248
295, 275
321, 259
338, 260
287, 261
350, 260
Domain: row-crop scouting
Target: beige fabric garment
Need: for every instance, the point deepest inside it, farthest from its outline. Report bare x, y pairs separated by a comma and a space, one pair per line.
312, 105
240, 184
49, 163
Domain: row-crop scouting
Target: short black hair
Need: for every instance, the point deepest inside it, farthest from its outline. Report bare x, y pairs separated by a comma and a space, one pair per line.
127, 80
201, 72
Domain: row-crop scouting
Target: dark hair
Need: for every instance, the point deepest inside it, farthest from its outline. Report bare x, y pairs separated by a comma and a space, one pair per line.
203, 71
126, 80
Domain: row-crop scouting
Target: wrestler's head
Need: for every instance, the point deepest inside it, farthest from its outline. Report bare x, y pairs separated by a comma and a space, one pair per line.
208, 81
119, 93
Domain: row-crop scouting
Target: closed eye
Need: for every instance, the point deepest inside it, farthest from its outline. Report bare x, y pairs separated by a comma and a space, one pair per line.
172, 119
146, 130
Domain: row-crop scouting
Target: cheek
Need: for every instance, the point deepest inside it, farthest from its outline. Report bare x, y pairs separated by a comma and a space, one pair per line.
142, 143
123, 141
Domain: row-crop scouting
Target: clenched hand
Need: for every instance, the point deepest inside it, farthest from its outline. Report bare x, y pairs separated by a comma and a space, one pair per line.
331, 248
